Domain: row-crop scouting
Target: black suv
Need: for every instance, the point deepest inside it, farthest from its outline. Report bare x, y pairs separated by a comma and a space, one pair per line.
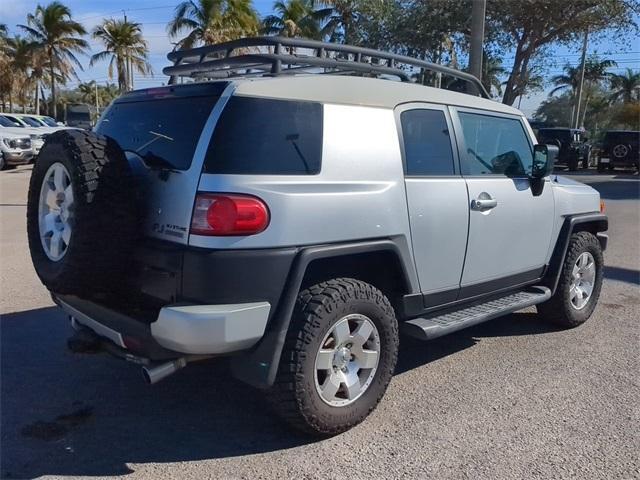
620, 149
572, 144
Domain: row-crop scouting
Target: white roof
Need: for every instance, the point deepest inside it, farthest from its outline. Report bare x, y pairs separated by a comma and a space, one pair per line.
351, 90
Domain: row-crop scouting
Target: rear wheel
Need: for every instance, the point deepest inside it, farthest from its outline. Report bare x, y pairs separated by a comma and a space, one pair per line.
338, 358
579, 284
3, 164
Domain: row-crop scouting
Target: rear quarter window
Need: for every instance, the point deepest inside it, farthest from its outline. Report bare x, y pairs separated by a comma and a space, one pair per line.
267, 137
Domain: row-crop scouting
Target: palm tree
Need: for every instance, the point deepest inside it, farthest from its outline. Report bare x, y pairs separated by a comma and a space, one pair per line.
625, 86
124, 47
21, 54
338, 17
492, 70
58, 35
292, 18
213, 21
6, 75
595, 70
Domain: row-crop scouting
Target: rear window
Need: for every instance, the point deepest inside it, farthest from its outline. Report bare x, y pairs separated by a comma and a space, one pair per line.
267, 137
163, 131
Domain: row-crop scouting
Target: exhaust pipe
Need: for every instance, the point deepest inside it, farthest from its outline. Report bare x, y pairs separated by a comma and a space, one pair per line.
155, 374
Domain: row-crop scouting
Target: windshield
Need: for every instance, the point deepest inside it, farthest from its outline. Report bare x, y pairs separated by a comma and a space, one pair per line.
12, 122
49, 121
32, 122
162, 131
6, 123
548, 135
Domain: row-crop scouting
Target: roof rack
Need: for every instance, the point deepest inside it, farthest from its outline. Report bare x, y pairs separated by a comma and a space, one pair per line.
273, 56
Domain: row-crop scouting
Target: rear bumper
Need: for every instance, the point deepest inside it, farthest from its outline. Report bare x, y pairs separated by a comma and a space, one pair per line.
178, 330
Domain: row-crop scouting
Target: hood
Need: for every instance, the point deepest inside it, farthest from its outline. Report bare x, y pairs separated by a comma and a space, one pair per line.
9, 132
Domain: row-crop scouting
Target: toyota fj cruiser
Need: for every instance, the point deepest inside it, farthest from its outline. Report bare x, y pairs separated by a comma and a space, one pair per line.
297, 223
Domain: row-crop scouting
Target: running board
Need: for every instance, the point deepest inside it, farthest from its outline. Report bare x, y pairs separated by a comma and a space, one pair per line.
452, 321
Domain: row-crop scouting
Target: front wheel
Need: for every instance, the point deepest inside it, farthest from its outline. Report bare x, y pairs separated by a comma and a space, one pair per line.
579, 285
338, 358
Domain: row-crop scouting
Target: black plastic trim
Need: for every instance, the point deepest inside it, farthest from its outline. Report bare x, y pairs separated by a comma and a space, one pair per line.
259, 366
460, 296
596, 223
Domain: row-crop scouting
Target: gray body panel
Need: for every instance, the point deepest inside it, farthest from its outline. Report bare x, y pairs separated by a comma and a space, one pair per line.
362, 194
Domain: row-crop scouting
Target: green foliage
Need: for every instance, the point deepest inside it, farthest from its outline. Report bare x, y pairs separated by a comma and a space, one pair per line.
123, 43
213, 21
53, 29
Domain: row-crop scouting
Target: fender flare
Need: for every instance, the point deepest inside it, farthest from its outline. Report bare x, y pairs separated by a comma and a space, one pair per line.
591, 222
259, 366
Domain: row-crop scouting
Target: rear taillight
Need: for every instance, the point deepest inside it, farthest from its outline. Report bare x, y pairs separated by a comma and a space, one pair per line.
218, 214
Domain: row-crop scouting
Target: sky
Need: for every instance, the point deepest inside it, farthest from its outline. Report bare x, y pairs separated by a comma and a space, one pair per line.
154, 15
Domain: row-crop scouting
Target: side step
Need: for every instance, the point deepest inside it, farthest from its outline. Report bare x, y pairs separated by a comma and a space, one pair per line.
452, 321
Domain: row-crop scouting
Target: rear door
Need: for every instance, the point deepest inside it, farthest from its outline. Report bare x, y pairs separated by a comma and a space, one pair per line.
165, 133
509, 227
436, 198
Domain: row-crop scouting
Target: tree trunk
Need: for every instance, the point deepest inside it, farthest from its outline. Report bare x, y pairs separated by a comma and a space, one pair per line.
37, 98
510, 90
54, 108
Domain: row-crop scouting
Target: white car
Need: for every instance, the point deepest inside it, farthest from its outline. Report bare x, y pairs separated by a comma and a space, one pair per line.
15, 149
18, 126
43, 121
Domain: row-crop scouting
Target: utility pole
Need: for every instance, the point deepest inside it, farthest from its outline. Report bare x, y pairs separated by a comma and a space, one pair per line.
478, 11
583, 62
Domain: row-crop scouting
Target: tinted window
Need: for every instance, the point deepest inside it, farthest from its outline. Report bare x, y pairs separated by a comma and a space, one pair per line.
268, 137
5, 122
31, 122
49, 121
495, 145
427, 146
162, 131
14, 121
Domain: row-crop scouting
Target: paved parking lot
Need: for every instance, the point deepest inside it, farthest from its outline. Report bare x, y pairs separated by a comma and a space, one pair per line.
513, 398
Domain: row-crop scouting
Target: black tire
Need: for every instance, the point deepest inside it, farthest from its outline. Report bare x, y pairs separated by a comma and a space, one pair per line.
601, 167
3, 164
572, 163
294, 395
103, 219
559, 309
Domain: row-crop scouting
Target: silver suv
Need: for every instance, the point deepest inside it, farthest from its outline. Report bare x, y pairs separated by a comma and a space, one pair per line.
297, 223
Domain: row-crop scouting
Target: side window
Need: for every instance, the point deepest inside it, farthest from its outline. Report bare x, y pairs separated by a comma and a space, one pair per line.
495, 146
263, 136
427, 144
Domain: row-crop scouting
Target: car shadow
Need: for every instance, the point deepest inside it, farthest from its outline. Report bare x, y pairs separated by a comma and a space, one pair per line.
621, 274
415, 353
91, 415
620, 190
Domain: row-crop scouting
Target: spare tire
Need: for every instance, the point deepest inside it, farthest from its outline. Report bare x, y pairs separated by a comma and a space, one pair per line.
81, 212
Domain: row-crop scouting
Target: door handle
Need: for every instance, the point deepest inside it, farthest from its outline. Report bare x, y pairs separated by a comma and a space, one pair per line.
484, 203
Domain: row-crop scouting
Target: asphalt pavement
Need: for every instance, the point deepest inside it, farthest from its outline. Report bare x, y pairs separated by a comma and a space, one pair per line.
512, 398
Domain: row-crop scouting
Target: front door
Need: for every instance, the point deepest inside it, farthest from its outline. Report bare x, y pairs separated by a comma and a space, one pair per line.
437, 199
509, 227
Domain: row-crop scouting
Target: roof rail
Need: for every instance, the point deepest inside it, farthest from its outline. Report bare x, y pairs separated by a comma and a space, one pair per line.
278, 56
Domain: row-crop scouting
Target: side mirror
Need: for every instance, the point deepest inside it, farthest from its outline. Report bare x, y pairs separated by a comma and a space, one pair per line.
544, 157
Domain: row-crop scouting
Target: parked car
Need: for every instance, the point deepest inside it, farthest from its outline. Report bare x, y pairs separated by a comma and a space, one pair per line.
42, 121
620, 148
10, 124
15, 149
573, 145
297, 223
78, 115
